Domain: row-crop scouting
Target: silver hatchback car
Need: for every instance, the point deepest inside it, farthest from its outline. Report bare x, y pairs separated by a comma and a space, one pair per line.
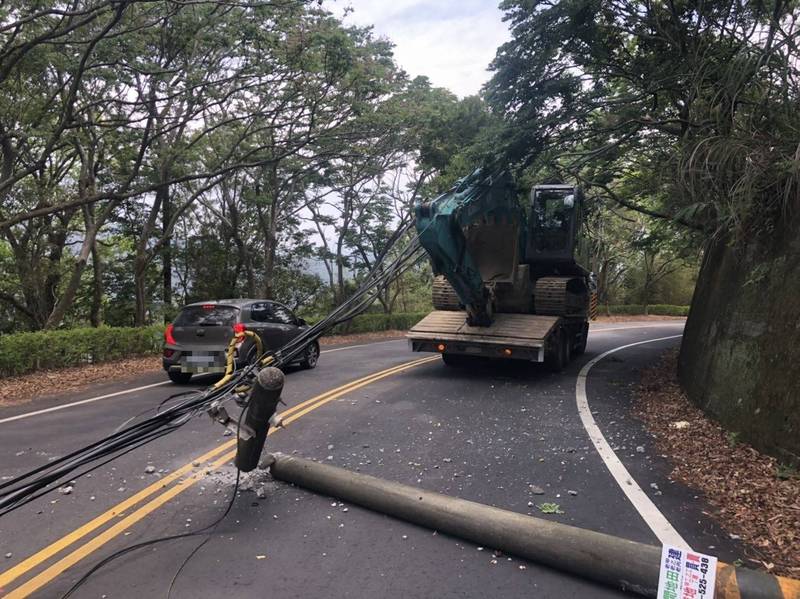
197, 341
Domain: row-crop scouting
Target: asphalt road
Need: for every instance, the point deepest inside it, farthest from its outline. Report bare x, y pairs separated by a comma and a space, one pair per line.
485, 433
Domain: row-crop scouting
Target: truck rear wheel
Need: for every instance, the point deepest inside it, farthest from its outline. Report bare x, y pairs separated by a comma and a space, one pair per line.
454, 359
580, 346
557, 353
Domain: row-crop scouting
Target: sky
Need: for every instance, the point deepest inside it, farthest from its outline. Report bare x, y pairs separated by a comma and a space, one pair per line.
449, 41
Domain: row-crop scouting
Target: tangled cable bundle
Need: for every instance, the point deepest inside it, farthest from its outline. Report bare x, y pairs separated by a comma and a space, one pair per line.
27, 487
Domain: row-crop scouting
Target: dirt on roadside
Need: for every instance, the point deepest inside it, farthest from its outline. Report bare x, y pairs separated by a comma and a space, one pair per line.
753, 497
25, 388
22, 389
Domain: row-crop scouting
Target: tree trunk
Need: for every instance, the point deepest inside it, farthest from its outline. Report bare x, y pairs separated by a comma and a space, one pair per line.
68, 296
57, 240
166, 249
96, 314
269, 258
739, 352
140, 262
140, 290
271, 233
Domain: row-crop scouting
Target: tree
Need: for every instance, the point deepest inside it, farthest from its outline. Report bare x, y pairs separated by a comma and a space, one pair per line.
684, 112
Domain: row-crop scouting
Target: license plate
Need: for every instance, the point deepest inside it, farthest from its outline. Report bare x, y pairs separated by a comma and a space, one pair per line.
202, 369
201, 359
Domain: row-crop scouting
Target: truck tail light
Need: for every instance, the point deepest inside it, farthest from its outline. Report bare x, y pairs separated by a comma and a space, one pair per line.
441, 347
168, 334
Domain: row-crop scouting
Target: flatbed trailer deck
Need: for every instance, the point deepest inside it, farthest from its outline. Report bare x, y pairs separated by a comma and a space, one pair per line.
511, 336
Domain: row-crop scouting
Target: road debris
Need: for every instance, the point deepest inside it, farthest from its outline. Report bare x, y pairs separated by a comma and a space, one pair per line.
748, 496
65, 490
550, 508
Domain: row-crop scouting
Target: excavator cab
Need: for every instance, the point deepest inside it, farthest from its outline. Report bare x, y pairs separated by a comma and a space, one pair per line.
553, 224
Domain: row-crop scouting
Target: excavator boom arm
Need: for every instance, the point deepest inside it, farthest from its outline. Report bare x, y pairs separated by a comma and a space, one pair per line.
474, 235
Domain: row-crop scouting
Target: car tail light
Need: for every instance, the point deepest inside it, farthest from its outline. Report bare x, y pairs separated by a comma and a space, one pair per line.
168, 334
168, 353
208, 306
239, 328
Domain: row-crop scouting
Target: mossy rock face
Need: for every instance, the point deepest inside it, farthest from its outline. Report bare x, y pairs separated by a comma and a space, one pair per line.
740, 356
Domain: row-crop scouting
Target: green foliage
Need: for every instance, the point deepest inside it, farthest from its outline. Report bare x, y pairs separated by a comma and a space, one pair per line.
732, 438
786, 472
21, 353
550, 508
28, 352
655, 309
684, 110
368, 323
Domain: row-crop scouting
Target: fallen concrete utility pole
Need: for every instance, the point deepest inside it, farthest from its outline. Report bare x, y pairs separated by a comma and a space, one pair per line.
616, 562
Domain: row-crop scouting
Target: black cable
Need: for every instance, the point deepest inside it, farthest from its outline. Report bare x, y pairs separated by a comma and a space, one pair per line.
155, 541
20, 490
28, 487
210, 528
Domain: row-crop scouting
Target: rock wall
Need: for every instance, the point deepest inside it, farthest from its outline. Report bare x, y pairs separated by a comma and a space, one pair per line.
740, 356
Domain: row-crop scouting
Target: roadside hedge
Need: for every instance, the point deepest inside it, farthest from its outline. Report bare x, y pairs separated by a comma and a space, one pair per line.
655, 309
21, 353
368, 323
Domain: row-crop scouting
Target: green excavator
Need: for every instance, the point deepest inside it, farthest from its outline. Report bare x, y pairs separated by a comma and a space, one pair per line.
507, 285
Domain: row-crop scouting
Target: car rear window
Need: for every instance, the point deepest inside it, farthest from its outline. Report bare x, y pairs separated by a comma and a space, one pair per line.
207, 315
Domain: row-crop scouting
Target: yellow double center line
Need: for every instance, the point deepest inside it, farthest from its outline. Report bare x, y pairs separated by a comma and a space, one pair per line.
193, 473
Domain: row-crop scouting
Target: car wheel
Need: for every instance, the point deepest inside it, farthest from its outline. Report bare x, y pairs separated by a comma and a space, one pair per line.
181, 378
311, 356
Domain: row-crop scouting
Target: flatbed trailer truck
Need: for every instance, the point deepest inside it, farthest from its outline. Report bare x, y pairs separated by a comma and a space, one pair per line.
508, 286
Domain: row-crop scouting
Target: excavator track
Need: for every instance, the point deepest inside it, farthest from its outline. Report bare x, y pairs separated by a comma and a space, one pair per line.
444, 296
550, 295
562, 296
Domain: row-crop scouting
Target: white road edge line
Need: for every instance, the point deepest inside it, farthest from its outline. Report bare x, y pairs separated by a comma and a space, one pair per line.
330, 351
638, 326
81, 402
657, 522
134, 390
